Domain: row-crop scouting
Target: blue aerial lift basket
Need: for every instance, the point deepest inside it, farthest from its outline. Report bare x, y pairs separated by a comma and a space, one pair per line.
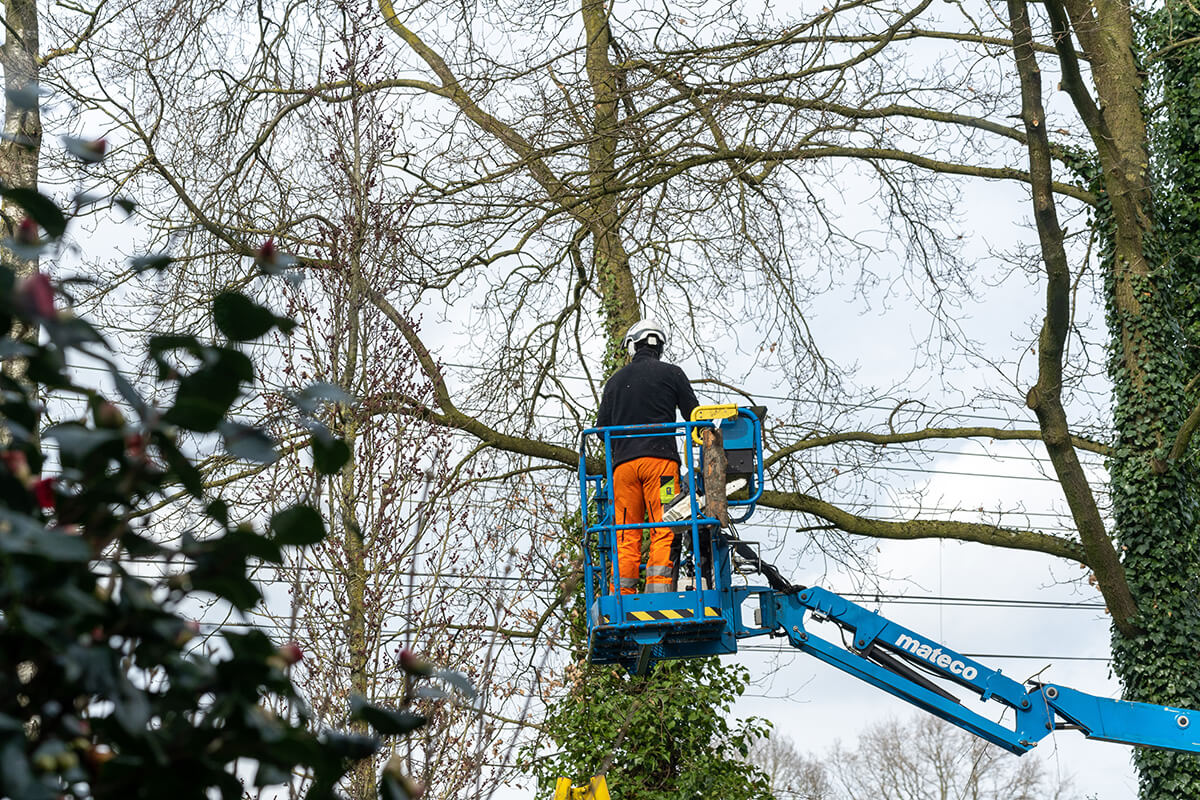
636, 630
707, 616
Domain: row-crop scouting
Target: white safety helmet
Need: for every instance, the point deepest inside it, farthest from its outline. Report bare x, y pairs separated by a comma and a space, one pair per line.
646, 331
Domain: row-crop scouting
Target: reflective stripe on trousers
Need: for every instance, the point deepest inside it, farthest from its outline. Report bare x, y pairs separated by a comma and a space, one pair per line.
638, 489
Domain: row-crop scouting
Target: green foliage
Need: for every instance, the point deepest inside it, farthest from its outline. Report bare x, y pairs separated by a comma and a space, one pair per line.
243, 320
666, 736
105, 689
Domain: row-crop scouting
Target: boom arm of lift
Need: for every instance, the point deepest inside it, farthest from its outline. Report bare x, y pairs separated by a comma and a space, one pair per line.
902, 662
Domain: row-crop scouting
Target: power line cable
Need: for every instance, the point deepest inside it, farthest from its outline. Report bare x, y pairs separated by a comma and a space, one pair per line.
398, 633
886, 598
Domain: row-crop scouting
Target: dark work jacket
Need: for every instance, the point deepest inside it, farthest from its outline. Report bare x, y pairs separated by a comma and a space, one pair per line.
645, 390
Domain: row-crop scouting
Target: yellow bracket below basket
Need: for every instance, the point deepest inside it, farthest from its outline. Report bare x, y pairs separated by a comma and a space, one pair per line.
597, 789
723, 411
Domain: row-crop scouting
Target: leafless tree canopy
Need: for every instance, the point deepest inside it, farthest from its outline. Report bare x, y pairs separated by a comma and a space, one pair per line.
921, 759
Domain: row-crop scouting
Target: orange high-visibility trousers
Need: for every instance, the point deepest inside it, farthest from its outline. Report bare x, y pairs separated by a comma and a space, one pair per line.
639, 487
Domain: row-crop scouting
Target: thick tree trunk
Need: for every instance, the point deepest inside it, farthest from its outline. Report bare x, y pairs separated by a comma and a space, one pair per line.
610, 259
362, 776
1156, 512
1155, 502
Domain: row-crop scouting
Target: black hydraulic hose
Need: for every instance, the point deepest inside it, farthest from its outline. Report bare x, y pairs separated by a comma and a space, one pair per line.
774, 578
885, 660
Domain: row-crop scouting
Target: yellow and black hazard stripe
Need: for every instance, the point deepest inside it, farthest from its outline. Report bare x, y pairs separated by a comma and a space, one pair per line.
665, 613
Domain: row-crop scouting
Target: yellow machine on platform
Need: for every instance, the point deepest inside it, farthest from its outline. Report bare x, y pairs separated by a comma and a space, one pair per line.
596, 789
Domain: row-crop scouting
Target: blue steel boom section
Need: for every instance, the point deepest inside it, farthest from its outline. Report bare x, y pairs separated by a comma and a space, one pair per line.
638, 630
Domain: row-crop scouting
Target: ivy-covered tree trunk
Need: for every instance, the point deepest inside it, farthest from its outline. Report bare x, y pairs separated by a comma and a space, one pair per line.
1155, 513
1155, 473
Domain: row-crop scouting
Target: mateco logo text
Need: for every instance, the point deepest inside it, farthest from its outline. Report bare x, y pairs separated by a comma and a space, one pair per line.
935, 656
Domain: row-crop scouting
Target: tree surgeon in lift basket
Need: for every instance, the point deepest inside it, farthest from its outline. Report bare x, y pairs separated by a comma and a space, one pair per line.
646, 469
